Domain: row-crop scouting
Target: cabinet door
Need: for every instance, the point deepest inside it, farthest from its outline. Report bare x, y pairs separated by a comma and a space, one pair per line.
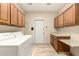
62, 47
56, 22
5, 13
13, 15
55, 43
52, 40
69, 19
60, 20
19, 18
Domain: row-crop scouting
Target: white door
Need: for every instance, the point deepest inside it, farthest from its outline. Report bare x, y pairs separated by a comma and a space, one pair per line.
38, 31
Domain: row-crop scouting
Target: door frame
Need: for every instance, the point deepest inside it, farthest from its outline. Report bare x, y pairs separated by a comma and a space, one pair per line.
43, 28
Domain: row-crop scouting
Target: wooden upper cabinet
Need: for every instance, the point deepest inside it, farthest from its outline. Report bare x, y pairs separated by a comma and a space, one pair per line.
10, 14
77, 13
69, 17
14, 15
56, 22
69, 14
5, 13
20, 19
60, 20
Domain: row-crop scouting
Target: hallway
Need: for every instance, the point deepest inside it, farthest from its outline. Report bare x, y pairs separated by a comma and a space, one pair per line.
44, 50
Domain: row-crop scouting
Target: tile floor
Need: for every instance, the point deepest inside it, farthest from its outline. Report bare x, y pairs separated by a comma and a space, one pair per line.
44, 50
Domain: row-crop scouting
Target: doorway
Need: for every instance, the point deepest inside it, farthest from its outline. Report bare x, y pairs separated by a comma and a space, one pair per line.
39, 31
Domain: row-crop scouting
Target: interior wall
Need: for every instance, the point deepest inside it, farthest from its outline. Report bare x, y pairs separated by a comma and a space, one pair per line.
69, 30
5, 28
48, 18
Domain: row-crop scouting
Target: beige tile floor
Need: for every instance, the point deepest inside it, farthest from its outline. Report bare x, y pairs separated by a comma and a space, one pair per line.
44, 50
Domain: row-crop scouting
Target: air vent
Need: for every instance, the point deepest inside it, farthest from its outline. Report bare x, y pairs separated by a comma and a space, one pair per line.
29, 3
48, 3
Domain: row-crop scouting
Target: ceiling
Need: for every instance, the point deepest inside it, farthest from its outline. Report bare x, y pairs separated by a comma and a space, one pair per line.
41, 7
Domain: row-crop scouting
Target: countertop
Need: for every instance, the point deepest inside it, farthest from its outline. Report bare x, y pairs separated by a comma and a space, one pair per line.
70, 42
15, 41
61, 34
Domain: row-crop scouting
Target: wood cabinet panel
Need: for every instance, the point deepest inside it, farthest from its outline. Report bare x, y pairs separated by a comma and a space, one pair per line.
9, 15
60, 49
60, 20
69, 17
14, 15
20, 19
63, 47
73, 21
53, 42
57, 45
5, 13
56, 22
76, 13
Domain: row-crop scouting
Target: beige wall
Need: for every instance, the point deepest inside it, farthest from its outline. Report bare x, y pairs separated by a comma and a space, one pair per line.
69, 30
5, 28
48, 21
